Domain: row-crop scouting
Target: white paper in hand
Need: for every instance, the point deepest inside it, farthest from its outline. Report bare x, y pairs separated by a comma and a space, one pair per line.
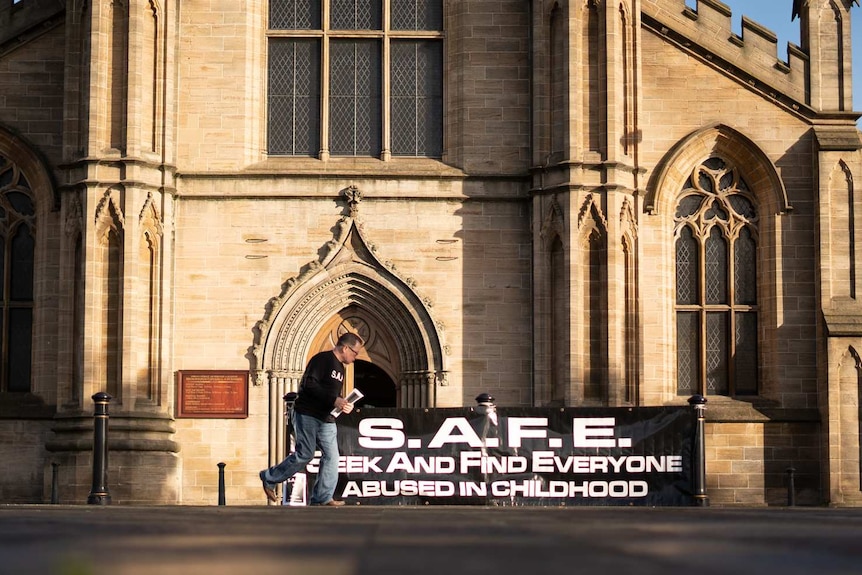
352, 397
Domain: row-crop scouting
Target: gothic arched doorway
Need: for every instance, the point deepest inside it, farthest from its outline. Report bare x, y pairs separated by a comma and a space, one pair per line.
348, 289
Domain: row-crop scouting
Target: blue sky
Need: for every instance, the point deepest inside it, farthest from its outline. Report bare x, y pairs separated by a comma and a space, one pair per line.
775, 15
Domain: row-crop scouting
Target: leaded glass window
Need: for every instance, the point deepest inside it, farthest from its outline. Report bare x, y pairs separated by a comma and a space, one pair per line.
295, 15
17, 249
417, 98
294, 96
356, 14
417, 14
329, 90
716, 283
354, 97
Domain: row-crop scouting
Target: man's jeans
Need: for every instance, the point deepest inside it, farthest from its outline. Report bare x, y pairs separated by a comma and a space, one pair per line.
311, 433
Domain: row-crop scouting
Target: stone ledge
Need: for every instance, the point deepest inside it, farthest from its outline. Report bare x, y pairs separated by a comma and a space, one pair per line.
837, 138
735, 411
843, 324
25, 406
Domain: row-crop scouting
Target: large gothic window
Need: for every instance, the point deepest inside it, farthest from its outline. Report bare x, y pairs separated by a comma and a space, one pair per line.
355, 78
716, 283
17, 247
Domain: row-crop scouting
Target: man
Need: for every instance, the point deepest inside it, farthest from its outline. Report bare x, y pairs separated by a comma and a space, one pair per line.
319, 394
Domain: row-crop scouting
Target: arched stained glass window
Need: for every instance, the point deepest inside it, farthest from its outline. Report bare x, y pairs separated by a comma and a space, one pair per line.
17, 249
716, 283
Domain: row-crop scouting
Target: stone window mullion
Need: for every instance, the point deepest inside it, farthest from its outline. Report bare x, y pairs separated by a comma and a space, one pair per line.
324, 87
718, 216
385, 96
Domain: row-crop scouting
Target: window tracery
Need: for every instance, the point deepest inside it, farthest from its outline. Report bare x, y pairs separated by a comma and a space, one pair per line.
716, 283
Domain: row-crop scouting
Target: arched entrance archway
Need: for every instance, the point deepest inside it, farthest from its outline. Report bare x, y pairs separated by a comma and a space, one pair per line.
347, 284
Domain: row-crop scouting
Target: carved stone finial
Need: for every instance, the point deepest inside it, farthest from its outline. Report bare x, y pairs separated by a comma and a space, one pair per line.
353, 197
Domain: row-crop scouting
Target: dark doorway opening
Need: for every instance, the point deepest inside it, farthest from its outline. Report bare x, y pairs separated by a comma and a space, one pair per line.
378, 387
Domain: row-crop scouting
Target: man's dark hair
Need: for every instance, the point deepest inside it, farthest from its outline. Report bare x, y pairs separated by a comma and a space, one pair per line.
350, 339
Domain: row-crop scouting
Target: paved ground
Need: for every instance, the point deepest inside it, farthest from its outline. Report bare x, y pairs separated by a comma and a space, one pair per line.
122, 540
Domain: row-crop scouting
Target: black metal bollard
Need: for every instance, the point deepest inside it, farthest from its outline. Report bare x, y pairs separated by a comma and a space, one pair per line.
289, 400
99, 493
791, 487
489, 432
55, 486
291, 484
699, 463
487, 407
221, 499
485, 403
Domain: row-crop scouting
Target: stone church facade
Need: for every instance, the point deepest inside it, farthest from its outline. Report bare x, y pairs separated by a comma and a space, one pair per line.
557, 202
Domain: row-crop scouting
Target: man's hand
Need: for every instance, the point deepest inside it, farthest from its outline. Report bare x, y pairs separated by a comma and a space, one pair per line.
344, 405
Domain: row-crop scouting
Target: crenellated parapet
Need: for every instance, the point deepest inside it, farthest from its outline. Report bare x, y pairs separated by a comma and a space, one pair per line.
751, 57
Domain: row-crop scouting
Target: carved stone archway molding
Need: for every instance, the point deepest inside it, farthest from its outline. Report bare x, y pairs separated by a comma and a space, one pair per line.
349, 274
761, 174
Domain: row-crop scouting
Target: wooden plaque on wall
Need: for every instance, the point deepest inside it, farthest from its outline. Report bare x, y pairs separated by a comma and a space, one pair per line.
212, 394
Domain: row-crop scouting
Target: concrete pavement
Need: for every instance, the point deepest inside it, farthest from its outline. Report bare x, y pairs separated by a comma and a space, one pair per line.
360, 540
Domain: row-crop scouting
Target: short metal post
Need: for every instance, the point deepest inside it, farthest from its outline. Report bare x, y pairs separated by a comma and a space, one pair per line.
699, 463
489, 432
221, 499
99, 493
485, 403
289, 400
55, 487
288, 487
791, 487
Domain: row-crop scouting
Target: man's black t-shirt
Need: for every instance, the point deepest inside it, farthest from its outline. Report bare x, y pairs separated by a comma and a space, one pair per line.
321, 385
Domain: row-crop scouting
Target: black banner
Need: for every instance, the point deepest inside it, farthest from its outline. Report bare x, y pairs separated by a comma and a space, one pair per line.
517, 456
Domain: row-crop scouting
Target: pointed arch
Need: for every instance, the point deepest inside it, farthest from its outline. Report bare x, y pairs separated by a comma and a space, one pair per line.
842, 232
350, 275
736, 148
108, 292
591, 220
553, 225
28, 197
591, 262
108, 215
631, 325
552, 316
146, 308
71, 348
848, 437
150, 220
22, 154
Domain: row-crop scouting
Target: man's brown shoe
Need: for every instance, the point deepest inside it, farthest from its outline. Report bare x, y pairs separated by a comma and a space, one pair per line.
268, 489
333, 503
